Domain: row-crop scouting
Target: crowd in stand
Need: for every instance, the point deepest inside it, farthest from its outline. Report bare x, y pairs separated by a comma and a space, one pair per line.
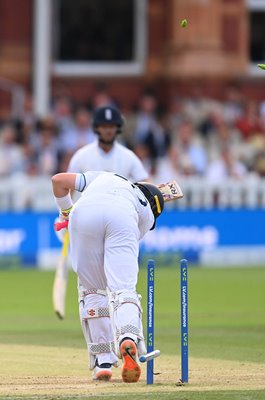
194, 136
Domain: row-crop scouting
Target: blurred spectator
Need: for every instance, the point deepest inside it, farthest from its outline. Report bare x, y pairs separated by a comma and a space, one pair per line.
256, 154
46, 147
222, 134
224, 167
63, 113
232, 105
80, 134
143, 153
11, 155
29, 118
250, 122
30, 166
150, 130
101, 97
176, 113
197, 109
187, 154
259, 165
262, 114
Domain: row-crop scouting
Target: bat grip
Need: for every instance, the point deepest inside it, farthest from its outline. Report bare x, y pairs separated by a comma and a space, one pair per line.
60, 225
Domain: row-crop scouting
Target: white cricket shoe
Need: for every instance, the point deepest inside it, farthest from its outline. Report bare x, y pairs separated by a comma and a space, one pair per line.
102, 372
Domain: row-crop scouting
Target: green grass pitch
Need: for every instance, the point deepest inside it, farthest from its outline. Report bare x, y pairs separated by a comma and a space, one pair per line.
45, 358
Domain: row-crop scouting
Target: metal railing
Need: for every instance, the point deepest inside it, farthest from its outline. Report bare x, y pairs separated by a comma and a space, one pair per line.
198, 193
21, 192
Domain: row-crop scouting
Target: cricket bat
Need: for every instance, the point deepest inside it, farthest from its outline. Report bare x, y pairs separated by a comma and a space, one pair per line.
170, 191
60, 280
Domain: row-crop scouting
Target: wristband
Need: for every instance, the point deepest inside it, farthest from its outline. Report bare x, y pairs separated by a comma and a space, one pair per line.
64, 203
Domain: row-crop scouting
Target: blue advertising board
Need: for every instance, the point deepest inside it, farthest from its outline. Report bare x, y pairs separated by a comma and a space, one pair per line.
26, 234
197, 234
189, 232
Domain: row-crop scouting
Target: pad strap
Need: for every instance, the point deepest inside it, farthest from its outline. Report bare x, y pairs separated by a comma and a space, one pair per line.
98, 348
116, 303
129, 329
83, 293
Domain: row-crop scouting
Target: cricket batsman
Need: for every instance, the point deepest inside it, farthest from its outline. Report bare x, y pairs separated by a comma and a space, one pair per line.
104, 154
105, 226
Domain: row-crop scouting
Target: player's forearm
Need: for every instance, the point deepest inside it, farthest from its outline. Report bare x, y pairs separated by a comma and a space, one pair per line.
63, 183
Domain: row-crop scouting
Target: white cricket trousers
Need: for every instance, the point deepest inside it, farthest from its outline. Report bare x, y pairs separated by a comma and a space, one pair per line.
104, 241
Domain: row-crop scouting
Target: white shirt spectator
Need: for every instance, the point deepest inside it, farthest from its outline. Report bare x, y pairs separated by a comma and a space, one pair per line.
225, 167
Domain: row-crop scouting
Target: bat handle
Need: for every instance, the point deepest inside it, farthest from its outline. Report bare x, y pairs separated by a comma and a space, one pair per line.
60, 225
